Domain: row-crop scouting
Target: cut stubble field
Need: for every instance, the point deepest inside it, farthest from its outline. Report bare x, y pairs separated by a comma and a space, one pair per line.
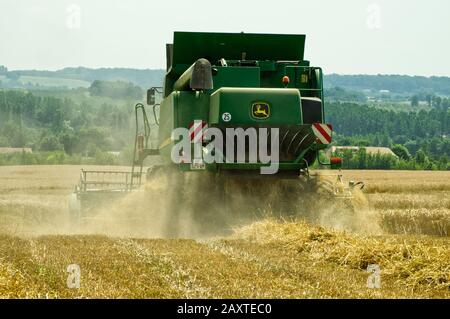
267, 258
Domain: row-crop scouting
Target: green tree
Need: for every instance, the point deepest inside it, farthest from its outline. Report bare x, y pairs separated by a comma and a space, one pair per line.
414, 101
429, 99
362, 158
117, 89
401, 151
50, 143
437, 101
422, 159
13, 134
56, 158
69, 141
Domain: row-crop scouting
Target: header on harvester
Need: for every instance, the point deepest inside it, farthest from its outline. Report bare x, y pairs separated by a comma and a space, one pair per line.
189, 46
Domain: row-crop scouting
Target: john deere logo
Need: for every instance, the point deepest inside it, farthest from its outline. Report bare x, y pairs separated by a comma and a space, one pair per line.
260, 110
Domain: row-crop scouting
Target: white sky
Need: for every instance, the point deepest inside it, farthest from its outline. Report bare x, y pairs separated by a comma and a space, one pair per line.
347, 36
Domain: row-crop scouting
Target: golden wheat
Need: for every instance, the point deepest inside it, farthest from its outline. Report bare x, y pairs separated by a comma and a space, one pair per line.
265, 259
414, 261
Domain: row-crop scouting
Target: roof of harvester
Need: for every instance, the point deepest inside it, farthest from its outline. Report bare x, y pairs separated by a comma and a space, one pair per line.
189, 46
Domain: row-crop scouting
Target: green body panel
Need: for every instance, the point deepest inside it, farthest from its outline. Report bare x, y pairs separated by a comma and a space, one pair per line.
167, 123
195, 106
237, 77
173, 114
284, 106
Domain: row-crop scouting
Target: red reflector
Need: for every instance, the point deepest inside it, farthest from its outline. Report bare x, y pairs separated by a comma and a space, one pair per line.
336, 161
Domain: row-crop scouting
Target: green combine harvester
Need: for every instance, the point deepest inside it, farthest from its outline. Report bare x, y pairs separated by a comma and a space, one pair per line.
225, 82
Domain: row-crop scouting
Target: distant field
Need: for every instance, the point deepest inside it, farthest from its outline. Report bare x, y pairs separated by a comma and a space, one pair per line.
54, 82
269, 258
404, 106
81, 95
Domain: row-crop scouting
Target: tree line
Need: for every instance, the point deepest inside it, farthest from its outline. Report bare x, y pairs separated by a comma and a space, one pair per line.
116, 90
49, 124
394, 83
421, 140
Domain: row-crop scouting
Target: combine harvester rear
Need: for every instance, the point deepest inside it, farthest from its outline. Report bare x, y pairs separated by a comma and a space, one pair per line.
224, 82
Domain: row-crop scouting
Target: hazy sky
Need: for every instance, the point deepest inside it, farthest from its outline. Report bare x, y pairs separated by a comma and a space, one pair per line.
348, 36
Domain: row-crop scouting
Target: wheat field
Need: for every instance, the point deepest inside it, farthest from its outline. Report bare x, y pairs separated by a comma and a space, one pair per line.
271, 257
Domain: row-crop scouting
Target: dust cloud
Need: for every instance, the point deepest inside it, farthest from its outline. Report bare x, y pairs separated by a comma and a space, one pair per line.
198, 205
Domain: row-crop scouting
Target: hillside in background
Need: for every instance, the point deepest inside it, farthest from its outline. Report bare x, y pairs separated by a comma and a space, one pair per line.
360, 86
78, 77
392, 83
